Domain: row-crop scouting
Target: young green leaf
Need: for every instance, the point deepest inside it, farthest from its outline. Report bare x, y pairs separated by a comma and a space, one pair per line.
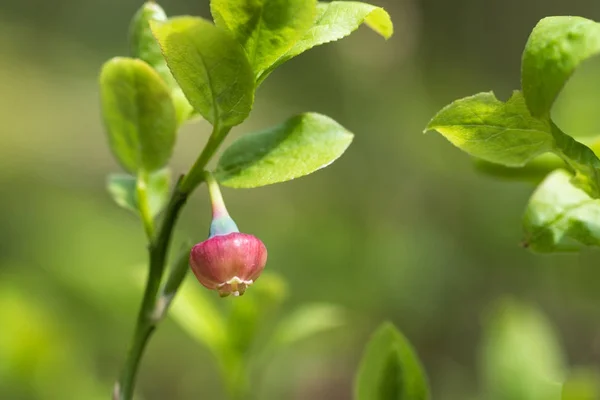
306, 321
389, 369
298, 147
210, 67
266, 29
122, 188
520, 356
556, 46
138, 114
336, 20
144, 46
501, 133
560, 216
534, 171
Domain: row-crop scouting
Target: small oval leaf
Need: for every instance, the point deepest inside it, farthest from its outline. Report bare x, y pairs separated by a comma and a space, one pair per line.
556, 46
266, 29
210, 67
138, 114
143, 45
389, 369
300, 146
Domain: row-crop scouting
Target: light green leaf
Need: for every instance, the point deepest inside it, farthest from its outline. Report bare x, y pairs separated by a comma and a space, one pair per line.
144, 46
122, 188
267, 29
210, 67
336, 20
534, 171
556, 46
389, 369
521, 358
138, 114
248, 312
506, 134
197, 315
584, 384
300, 146
502, 133
560, 216
307, 321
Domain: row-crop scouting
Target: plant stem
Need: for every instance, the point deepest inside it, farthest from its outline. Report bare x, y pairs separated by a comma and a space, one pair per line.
151, 309
143, 203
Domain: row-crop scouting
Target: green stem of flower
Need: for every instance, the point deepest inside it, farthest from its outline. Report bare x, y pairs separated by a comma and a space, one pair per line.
152, 309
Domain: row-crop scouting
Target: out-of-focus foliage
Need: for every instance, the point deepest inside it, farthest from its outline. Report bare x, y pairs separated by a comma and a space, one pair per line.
401, 228
521, 357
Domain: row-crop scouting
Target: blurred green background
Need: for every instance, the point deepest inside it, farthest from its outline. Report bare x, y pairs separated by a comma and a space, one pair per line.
401, 228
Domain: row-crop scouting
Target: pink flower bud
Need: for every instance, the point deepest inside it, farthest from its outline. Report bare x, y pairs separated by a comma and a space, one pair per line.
228, 263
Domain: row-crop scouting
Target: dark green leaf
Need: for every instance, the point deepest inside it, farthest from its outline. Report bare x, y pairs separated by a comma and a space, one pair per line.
267, 29
390, 369
581, 159
336, 20
300, 146
144, 46
521, 358
210, 67
534, 171
122, 188
138, 114
556, 46
560, 216
502, 133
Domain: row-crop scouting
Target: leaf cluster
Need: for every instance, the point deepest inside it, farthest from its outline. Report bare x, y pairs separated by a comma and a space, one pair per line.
519, 140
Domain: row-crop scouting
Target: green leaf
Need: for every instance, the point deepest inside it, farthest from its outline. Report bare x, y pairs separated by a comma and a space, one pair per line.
521, 358
298, 147
138, 114
507, 135
144, 46
534, 171
582, 160
336, 20
197, 315
248, 312
210, 67
582, 385
560, 216
486, 128
267, 29
122, 188
556, 46
390, 369
307, 321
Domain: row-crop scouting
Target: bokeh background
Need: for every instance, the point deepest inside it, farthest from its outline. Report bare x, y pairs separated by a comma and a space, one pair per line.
401, 228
